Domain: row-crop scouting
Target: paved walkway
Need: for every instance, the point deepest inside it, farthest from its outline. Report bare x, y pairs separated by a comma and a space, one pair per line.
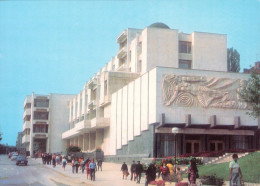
110, 175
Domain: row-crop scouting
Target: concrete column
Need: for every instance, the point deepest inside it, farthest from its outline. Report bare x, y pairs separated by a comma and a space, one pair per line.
75, 141
47, 145
92, 140
99, 137
80, 139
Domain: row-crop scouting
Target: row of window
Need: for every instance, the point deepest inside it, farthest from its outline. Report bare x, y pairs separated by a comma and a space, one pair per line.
41, 115
41, 102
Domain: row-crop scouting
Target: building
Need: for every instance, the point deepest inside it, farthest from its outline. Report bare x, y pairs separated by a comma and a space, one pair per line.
161, 79
256, 68
45, 119
19, 145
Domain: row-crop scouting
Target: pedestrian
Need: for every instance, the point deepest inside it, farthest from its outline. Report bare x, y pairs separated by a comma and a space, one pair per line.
124, 169
87, 168
73, 166
64, 163
133, 172
170, 166
92, 167
99, 164
82, 165
139, 170
54, 161
76, 163
188, 171
179, 174
235, 174
193, 173
150, 174
164, 170
57, 160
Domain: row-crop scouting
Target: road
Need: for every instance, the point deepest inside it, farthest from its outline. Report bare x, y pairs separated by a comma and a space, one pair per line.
33, 174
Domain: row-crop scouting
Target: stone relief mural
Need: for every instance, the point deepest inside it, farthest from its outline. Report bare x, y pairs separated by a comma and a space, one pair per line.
203, 91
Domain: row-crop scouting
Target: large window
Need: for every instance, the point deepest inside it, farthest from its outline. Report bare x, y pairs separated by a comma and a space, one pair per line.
41, 102
40, 128
41, 115
184, 47
185, 64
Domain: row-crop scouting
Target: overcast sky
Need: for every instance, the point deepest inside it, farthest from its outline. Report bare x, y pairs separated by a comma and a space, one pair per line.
55, 47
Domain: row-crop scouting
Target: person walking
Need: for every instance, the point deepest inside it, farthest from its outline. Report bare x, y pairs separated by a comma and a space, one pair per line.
193, 173
188, 171
76, 163
72, 165
133, 171
99, 164
92, 167
124, 169
54, 161
235, 174
170, 166
164, 170
64, 163
82, 165
57, 160
150, 174
179, 174
88, 169
139, 169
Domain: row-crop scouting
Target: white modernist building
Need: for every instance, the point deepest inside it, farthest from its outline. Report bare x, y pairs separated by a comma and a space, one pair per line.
45, 119
160, 79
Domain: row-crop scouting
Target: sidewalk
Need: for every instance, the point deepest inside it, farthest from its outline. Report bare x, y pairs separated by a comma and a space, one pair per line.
110, 175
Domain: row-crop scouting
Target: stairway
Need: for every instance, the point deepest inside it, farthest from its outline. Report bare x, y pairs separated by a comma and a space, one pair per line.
227, 157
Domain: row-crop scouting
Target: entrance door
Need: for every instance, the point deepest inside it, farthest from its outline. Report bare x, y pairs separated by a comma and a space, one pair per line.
193, 146
216, 145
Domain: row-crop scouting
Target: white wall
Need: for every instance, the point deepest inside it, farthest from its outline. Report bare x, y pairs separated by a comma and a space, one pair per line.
209, 51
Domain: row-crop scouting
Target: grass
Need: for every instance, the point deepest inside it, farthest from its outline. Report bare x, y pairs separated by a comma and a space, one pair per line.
250, 167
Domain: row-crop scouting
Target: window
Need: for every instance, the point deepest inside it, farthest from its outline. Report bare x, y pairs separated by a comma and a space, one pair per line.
184, 47
41, 102
40, 128
41, 115
185, 64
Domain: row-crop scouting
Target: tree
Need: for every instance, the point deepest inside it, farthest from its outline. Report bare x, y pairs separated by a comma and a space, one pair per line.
73, 148
233, 60
251, 94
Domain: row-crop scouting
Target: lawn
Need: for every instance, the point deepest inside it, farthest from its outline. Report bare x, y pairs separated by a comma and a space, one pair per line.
250, 167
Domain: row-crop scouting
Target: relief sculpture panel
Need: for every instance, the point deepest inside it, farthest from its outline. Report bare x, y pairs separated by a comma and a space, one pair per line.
203, 91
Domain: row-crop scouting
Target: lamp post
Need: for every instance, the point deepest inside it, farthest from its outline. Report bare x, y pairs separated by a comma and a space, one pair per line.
175, 130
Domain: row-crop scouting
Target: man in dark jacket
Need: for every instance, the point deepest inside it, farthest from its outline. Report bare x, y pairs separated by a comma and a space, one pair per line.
139, 170
124, 169
133, 172
150, 173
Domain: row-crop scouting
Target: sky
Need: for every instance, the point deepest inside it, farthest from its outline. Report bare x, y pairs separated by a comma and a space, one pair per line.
56, 46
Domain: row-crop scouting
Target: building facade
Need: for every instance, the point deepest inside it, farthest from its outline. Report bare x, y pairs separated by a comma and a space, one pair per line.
19, 145
256, 68
160, 79
45, 119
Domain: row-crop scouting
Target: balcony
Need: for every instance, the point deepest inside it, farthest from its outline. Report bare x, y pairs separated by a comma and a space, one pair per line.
123, 67
100, 122
122, 37
92, 105
70, 133
122, 52
40, 121
82, 125
92, 83
26, 125
40, 135
27, 111
26, 139
41, 109
106, 101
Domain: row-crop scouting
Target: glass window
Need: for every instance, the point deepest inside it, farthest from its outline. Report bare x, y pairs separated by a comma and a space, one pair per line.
184, 47
41, 115
41, 103
185, 64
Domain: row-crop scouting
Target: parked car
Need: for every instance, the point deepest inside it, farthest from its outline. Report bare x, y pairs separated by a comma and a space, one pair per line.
21, 160
14, 157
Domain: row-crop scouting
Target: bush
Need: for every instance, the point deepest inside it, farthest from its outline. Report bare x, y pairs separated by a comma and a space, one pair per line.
211, 180
73, 148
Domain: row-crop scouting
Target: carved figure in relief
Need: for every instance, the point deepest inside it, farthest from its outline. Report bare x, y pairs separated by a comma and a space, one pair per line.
204, 91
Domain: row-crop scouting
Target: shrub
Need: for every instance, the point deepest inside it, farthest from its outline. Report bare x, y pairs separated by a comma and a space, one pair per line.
73, 148
211, 180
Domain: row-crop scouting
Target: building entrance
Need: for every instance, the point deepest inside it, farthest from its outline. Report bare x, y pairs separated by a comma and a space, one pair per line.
215, 145
193, 146
39, 145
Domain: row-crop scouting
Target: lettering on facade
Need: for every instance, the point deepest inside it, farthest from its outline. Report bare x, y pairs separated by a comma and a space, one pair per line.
203, 91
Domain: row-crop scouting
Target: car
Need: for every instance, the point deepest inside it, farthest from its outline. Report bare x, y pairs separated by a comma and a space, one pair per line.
21, 160
14, 157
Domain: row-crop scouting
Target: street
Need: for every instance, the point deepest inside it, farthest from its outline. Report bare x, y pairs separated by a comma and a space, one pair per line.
33, 174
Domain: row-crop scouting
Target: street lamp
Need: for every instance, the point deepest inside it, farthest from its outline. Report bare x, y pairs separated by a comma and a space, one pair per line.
175, 130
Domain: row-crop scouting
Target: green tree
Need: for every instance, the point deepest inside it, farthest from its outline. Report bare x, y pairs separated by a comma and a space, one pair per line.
251, 94
73, 148
233, 60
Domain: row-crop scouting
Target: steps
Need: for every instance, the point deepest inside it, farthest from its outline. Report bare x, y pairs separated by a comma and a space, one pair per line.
227, 157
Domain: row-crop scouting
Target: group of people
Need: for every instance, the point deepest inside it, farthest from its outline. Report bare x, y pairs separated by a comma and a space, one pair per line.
76, 163
136, 171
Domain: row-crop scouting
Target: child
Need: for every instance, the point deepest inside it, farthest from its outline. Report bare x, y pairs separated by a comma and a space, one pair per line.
188, 171
179, 174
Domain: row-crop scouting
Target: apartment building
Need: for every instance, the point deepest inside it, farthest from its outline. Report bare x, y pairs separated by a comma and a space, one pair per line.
162, 81
45, 119
19, 145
